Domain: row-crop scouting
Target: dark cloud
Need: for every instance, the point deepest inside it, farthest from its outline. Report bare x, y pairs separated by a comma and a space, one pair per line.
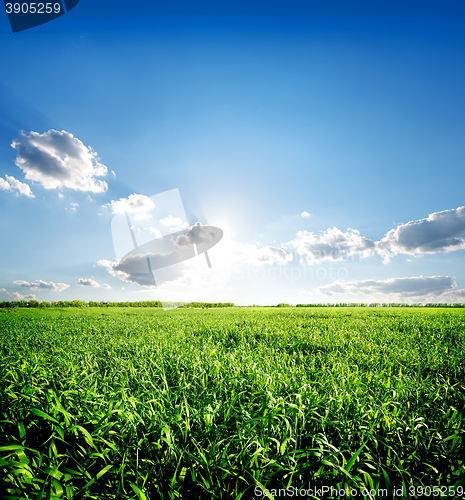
412, 287
58, 159
440, 232
143, 279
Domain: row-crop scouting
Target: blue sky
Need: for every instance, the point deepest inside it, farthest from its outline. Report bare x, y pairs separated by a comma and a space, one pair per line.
257, 113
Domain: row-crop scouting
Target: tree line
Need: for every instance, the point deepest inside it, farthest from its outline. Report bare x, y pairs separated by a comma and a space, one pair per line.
91, 303
202, 305
384, 304
206, 305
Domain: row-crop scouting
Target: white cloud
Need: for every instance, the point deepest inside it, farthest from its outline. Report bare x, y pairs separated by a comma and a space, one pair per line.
171, 221
457, 295
155, 231
439, 232
91, 282
175, 223
61, 195
305, 214
332, 244
412, 287
58, 159
3, 290
11, 184
112, 268
135, 204
42, 285
18, 296
252, 254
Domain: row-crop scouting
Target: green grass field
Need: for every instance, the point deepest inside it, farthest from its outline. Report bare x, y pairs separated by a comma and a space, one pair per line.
144, 404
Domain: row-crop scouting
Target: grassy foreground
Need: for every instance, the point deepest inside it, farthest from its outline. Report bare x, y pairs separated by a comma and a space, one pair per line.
145, 404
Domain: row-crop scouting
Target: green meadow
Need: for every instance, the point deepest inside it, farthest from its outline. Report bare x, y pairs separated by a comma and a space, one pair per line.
138, 403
